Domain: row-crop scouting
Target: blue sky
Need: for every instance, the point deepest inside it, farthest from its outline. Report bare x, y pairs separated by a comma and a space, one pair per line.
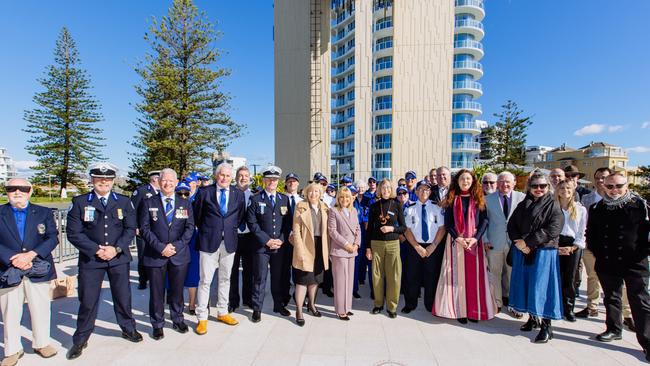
579, 67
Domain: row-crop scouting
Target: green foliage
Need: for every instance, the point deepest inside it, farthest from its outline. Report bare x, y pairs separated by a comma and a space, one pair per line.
643, 189
507, 138
64, 137
183, 111
256, 181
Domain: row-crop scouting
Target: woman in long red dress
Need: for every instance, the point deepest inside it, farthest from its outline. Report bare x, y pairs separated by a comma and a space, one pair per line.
463, 290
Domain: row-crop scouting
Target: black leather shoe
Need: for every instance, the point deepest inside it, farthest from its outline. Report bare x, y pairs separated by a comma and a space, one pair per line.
570, 316
180, 327
328, 293
529, 325
282, 311
350, 313
629, 323
608, 336
406, 310
356, 295
545, 333
586, 313
377, 309
142, 286
257, 316
158, 334
314, 312
300, 321
345, 317
231, 309
133, 336
76, 350
392, 314
462, 320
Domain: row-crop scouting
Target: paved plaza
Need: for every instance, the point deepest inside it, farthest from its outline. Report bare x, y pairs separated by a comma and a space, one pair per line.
415, 339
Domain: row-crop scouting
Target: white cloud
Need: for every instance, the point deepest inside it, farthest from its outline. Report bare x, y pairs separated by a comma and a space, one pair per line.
639, 149
596, 128
24, 165
645, 124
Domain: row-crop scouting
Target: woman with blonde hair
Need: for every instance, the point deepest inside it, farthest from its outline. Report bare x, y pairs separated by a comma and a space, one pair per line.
572, 240
385, 225
310, 248
345, 235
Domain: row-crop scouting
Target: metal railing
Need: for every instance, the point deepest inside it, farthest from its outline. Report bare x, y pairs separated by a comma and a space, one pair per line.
466, 146
468, 65
472, 23
475, 3
468, 43
468, 84
475, 106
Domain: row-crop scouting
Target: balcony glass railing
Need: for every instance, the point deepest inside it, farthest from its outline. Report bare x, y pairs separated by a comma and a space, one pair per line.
466, 145
467, 105
468, 43
472, 23
476, 3
468, 65
465, 125
468, 84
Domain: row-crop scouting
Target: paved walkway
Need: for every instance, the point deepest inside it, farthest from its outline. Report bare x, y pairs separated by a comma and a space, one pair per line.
416, 339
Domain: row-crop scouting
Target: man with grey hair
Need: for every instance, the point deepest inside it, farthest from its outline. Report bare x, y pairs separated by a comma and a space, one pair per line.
218, 211
500, 206
555, 177
26, 252
489, 183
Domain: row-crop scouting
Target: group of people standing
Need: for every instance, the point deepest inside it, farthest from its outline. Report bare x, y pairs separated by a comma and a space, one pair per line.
476, 247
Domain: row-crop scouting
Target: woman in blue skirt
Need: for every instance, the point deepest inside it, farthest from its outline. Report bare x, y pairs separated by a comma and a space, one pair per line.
188, 188
535, 283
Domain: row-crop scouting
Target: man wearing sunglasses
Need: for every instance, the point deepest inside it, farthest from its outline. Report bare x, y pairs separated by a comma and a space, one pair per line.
28, 235
617, 234
489, 183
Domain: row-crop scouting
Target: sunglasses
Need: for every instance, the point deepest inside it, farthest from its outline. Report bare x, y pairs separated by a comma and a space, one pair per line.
403, 193
538, 186
489, 182
184, 194
12, 189
617, 186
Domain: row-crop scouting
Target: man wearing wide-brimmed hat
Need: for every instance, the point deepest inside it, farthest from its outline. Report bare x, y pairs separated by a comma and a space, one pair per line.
571, 172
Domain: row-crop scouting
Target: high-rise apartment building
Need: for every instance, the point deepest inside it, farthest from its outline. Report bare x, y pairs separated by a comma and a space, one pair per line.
365, 87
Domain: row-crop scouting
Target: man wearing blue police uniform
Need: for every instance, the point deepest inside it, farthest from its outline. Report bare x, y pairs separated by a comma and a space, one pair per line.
269, 221
143, 192
369, 197
346, 181
101, 224
166, 225
411, 181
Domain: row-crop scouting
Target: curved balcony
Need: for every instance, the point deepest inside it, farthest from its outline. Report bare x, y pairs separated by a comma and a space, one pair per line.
469, 46
336, 106
343, 38
339, 71
342, 121
336, 57
341, 20
474, 7
473, 68
468, 87
384, 32
471, 127
469, 26
473, 108
466, 146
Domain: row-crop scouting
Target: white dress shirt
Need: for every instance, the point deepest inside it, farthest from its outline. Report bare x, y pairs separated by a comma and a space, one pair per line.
576, 228
413, 218
227, 193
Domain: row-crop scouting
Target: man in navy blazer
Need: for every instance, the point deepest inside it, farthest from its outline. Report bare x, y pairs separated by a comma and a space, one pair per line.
27, 234
101, 224
166, 225
269, 221
218, 211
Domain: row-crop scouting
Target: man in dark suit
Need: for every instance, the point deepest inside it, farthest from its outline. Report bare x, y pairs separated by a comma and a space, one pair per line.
219, 209
101, 224
244, 252
167, 226
439, 191
141, 193
268, 220
28, 235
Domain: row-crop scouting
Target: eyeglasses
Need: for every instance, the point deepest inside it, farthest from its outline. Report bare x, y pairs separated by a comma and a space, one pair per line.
617, 186
12, 189
489, 182
538, 186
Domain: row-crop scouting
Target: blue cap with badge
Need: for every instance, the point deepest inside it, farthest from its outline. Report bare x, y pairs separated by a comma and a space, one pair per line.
373, 179
331, 187
103, 170
353, 189
319, 177
272, 171
423, 182
402, 189
192, 177
182, 186
292, 176
410, 175
346, 179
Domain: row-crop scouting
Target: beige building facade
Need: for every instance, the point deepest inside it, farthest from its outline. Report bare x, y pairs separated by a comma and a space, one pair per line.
363, 87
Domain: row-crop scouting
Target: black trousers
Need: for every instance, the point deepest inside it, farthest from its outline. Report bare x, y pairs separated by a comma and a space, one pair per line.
637, 294
328, 280
261, 263
175, 280
90, 286
142, 273
287, 253
244, 255
568, 269
419, 273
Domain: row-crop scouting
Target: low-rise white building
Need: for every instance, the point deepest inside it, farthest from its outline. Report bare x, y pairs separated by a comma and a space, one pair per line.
7, 167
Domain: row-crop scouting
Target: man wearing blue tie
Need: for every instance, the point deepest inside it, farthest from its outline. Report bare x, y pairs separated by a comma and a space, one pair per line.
218, 211
268, 220
166, 225
426, 230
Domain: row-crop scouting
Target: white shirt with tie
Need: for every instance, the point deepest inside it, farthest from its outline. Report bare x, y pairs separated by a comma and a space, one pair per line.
226, 192
413, 217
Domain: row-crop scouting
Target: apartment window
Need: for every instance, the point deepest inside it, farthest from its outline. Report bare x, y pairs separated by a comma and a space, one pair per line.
351, 44
383, 43
384, 82
382, 161
349, 146
384, 63
383, 23
349, 112
383, 141
383, 102
351, 78
383, 122
350, 95
350, 62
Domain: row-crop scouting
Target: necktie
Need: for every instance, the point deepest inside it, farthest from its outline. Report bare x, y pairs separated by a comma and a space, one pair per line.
169, 210
425, 225
103, 201
222, 202
506, 209
272, 197
293, 204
